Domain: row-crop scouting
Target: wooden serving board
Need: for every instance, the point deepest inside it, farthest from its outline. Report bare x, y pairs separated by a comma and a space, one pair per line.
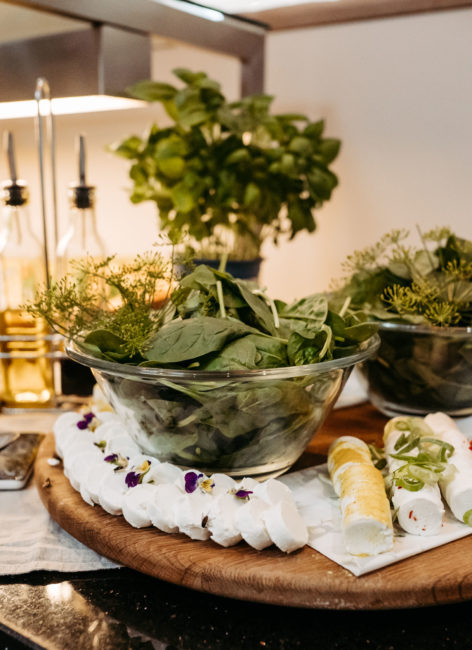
303, 579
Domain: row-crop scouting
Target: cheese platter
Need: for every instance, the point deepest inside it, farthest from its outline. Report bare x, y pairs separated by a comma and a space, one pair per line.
305, 578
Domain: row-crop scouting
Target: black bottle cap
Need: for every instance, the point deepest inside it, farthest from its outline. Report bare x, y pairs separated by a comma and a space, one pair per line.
15, 193
82, 196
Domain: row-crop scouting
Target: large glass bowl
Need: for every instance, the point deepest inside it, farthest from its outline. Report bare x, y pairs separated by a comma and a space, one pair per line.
243, 423
420, 369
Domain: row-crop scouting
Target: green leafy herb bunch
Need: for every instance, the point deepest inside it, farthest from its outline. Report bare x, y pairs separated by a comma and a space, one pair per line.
229, 174
205, 320
429, 284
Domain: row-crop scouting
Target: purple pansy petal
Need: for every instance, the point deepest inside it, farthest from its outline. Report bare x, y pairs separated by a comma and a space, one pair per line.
243, 494
111, 458
132, 479
191, 481
82, 424
88, 417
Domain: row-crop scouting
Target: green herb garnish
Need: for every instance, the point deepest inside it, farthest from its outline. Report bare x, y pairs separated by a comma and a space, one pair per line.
425, 457
467, 518
430, 284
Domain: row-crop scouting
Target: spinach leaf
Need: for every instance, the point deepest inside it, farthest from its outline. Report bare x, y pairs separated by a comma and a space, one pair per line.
185, 340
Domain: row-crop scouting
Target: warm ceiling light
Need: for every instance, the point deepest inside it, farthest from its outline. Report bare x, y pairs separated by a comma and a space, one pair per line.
195, 10
67, 106
249, 6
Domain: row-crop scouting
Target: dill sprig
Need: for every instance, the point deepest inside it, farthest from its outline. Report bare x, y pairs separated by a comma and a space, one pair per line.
430, 284
129, 300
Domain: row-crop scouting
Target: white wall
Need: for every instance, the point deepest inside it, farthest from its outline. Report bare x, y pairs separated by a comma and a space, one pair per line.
398, 92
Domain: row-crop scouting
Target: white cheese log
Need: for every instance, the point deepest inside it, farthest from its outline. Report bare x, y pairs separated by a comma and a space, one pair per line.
366, 519
420, 512
457, 486
445, 429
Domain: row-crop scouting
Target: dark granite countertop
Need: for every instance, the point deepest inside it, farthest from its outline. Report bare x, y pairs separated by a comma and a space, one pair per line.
120, 609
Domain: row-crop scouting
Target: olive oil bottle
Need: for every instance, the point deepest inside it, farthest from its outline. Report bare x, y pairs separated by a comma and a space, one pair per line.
81, 240
25, 365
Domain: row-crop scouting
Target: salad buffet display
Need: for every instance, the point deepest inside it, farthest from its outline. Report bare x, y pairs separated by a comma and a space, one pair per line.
215, 382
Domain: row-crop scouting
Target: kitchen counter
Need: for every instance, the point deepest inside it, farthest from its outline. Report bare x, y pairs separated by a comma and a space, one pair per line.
122, 609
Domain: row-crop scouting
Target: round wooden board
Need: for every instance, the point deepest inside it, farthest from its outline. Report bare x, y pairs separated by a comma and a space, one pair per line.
303, 579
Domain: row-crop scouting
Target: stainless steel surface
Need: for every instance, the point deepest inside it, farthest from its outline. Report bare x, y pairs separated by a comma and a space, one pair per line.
41, 93
82, 161
90, 61
11, 157
235, 36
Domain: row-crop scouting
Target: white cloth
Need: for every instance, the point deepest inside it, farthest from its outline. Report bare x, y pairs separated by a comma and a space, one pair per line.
30, 540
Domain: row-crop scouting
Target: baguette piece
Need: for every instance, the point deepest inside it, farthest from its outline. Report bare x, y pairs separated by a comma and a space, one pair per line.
456, 487
366, 519
420, 512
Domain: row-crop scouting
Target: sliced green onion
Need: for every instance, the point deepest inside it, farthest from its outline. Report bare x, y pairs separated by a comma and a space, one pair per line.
423, 474
445, 448
413, 485
467, 518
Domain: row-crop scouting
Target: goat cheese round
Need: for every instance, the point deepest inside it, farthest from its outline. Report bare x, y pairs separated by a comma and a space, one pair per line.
250, 522
162, 508
285, 527
191, 512
136, 503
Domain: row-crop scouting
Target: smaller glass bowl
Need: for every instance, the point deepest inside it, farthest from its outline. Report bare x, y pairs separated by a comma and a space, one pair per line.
420, 369
243, 423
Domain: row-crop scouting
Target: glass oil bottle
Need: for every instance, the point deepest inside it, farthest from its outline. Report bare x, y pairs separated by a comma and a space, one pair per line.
80, 241
26, 369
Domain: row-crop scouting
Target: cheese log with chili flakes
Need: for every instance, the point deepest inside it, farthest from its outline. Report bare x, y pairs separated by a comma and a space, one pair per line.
419, 512
456, 487
366, 518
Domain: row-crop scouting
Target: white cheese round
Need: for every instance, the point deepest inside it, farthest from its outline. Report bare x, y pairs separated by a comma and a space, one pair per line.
285, 527
136, 504
250, 522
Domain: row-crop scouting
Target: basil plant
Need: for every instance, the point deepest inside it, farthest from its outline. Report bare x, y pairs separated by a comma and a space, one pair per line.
228, 174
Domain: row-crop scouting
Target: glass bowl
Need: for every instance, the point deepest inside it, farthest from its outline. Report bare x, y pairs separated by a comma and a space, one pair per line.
242, 423
420, 369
